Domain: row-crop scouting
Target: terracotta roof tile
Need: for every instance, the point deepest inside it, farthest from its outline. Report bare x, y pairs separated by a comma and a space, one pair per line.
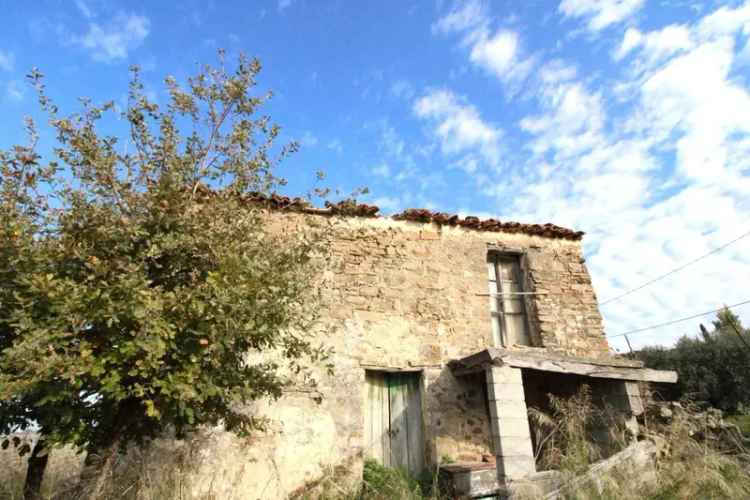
472, 222
348, 208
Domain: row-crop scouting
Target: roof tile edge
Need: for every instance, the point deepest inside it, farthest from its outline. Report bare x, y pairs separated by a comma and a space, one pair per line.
349, 208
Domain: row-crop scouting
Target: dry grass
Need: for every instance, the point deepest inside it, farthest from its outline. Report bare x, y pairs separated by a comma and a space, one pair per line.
62, 472
695, 459
695, 464
162, 471
691, 463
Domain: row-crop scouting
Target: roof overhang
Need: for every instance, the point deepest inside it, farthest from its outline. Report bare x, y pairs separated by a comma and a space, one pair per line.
609, 368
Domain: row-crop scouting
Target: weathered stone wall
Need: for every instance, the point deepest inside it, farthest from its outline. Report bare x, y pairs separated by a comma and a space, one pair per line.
400, 294
432, 280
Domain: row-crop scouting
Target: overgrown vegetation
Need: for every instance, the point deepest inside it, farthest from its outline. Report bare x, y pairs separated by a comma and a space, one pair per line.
693, 465
383, 483
713, 368
742, 422
165, 470
562, 436
694, 460
139, 289
696, 457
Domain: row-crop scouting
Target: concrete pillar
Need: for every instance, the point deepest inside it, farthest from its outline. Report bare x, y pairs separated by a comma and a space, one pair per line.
511, 437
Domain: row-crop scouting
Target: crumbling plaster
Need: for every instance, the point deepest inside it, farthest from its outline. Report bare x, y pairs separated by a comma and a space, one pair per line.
406, 295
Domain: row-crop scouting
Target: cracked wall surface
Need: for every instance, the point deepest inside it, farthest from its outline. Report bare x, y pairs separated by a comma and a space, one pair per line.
408, 295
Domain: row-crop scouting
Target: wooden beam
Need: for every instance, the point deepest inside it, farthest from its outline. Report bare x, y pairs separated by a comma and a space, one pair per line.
549, 362
589, 370
395, 369
541, 353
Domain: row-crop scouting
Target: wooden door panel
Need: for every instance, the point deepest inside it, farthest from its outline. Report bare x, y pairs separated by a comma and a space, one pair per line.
399, 424
377, 421
414, 424
393, 420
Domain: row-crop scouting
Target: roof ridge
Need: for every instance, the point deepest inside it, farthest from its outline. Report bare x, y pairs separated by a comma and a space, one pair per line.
350, 208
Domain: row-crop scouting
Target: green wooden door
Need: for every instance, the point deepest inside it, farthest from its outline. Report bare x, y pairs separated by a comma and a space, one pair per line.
393, 420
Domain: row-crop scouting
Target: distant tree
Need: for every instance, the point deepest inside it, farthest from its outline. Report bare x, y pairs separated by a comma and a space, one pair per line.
713, 368
136, 277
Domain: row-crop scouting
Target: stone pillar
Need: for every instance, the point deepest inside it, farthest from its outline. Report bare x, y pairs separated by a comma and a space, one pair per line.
633, 393
625, 395
511, 437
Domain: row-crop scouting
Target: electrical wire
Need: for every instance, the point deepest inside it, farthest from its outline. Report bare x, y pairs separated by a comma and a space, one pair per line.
639, 330
675, 270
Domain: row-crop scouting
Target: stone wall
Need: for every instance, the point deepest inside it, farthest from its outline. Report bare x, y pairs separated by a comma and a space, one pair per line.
397, 295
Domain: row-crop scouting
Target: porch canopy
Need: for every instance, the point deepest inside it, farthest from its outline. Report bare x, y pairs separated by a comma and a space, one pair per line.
610, 368
617, 379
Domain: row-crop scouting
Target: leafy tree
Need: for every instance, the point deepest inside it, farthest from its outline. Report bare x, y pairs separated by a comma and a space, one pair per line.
713, 368
140, 286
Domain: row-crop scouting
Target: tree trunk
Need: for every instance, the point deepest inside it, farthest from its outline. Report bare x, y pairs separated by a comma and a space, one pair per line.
105, 469
35, 471
103, 451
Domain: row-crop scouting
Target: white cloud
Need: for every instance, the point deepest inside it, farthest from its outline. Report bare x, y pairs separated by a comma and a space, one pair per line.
683, 120
398, 162
113, 41
402, 89
656, 45
499, 53
705, 106
556, 71
458, 126
14, 91
84, 9
391, 142
335, 145
600, 14
284, 4
724, 21
308, 139
381, 170
654, 163
464, 16
572, 120
501, 56
7, 61
388, 203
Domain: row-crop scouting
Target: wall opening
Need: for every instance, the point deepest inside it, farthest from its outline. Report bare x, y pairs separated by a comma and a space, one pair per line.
510, 325
605, 399
393, 419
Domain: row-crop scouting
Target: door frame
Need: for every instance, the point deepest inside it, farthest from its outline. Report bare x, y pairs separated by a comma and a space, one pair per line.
419, 385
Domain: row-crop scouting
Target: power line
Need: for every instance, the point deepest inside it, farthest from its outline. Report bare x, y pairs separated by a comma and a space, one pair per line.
675, 270
638, 330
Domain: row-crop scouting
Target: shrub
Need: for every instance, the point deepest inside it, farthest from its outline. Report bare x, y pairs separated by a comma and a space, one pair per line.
384, 483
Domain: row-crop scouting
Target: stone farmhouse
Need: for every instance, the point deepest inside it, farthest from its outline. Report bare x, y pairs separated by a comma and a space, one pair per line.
444, 330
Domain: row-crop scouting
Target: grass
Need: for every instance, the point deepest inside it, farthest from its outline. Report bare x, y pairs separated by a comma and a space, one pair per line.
62, 473
691, 463
741, 421
162, 471
383, 483
378, 483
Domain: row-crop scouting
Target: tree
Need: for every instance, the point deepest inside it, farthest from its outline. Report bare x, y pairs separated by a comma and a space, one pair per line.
713, 368
137, 276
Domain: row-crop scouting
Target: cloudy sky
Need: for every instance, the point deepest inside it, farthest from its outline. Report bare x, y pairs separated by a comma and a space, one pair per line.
627, 119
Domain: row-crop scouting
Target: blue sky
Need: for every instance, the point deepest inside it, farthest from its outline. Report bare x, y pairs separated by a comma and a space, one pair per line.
627, 119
